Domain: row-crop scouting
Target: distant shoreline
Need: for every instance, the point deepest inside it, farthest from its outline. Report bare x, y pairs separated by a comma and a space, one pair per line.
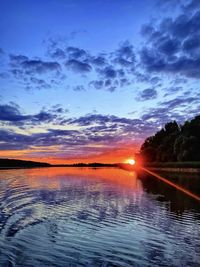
177, 170
181, 167
23, 164
55, 166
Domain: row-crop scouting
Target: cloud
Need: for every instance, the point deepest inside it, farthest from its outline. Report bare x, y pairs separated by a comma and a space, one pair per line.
39, 66
105, 131
35, 73
108, 72
108, 84
172, 46
125, 55
40, 83
194, 4
106, 66
172, 90
79, 88
58, 109
147, 94
107, 122
16, 141
98, 84
10, 113
58, 53
94, 133
33, 66
179, 108
78, 66
192, 44
76, 53
99, 60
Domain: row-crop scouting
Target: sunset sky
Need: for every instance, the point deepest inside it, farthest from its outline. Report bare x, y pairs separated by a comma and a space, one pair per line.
84, 80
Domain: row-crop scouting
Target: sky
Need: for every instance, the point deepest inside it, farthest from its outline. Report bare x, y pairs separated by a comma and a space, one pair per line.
85, 81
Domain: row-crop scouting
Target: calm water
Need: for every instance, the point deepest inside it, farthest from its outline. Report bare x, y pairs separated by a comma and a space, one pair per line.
96, 217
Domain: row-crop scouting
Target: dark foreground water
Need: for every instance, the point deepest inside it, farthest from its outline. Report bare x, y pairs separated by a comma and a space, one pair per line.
103, 217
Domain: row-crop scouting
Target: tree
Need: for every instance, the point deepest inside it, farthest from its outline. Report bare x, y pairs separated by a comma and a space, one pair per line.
174, 143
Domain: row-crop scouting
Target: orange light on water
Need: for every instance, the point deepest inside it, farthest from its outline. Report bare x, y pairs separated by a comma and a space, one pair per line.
130, 161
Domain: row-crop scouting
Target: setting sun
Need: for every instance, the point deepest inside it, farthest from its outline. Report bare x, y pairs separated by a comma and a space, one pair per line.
130, 161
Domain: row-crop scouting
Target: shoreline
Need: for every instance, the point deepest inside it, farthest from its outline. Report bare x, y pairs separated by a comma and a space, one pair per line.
175, 169
36, 167
164, 169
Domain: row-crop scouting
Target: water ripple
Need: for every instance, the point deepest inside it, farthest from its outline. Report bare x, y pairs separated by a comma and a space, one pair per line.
91, 218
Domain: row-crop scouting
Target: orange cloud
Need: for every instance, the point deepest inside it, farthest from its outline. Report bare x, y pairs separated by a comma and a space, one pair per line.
115, 155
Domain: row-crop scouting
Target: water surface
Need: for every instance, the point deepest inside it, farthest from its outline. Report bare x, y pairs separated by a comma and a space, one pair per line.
96, 217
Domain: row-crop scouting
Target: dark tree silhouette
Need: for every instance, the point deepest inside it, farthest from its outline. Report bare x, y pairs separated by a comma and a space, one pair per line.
174, 143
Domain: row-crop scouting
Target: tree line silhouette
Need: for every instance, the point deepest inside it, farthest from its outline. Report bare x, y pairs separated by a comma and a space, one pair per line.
174, 142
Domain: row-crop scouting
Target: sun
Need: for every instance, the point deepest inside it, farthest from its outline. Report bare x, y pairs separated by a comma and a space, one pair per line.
130, 161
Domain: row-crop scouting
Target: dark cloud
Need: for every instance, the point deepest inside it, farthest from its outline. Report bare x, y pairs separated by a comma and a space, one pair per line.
98, 84
11, 114
147, 94
106, 130
39, 66
58, 53
108, 84
79, 88
155, 80
192, 44
172, 90
40, 83
76, 53
108, 72
58, 109
43, 116
113, 127
13, 140
179, 102
33, 74
103, 64
173, 45
17, 60
78, 66
168, 46
99, 61
33, 66
192, 5
98, 119
179, 108
179, 81
124, 81
189, 67
125, 55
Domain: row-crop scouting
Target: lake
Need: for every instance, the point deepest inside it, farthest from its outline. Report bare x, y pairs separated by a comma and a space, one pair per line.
97, 217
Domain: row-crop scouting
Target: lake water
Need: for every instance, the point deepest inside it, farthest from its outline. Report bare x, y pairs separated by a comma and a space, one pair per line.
96, 217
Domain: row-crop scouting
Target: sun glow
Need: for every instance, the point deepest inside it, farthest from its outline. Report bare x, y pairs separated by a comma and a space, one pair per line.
130, 161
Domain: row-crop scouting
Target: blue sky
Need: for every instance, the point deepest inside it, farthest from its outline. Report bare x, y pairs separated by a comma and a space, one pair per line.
104, 74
